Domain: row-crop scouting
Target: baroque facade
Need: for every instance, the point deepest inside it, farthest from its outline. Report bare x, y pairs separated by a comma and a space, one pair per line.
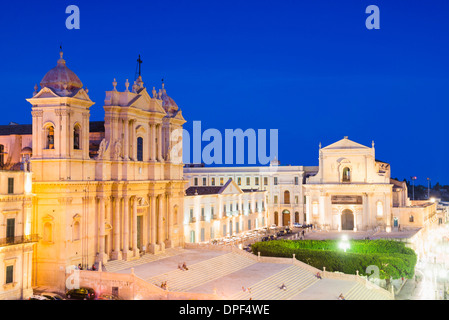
103, 190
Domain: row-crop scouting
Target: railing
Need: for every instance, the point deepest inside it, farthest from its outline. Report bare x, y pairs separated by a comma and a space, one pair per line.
10, 241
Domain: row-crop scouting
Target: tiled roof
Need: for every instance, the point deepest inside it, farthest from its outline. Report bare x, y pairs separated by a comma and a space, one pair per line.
191, 191
21, 129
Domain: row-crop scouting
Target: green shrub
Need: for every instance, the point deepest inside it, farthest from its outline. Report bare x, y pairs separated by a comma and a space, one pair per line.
393, 258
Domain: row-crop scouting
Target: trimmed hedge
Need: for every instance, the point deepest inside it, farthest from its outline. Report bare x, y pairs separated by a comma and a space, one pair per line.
393, 258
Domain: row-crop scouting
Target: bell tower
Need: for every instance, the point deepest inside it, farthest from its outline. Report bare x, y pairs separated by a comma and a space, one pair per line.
60, 111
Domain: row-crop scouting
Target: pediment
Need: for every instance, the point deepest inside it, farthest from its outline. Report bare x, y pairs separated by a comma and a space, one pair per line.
230, 187
46, 93
345, 143
144, 102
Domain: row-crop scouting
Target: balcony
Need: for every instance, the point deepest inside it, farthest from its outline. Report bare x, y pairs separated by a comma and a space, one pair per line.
192, 220
10, 241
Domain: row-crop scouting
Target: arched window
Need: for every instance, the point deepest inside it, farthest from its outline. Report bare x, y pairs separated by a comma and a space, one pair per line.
50, 137
346, 175
287, 197
411, 219
139, 149
2, 157
76, 137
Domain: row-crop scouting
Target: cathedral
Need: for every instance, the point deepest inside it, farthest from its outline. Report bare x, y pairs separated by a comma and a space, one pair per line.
102, 190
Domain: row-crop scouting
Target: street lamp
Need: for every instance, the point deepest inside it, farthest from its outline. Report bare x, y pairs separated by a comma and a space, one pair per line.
428, 188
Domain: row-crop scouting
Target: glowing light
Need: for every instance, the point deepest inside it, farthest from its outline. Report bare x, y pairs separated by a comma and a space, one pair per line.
344, 244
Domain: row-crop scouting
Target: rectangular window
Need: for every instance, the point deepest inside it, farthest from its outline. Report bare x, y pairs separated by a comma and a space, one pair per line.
296, 180
239, 181
249, 224
265, 181
9, 274
10, 185
256, 181
296, 199
202, 214
195, 181
204, 181
213, 182
202, 234
10, 226
248, 181
221, 181
275, 181
212, 235
275, 200
224, 230
236, 227
212, 213
224, 209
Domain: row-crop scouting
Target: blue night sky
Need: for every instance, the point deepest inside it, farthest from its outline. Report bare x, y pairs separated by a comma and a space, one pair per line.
308, 68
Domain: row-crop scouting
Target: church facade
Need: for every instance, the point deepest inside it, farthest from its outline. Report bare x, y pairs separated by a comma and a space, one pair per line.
102, 190
352, 190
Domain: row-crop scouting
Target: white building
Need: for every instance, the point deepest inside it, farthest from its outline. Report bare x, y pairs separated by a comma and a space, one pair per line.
212, 212
284, 197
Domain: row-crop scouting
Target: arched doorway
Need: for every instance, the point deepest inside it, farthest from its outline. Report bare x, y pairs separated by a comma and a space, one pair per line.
297, 217
285, 218
276, 219
347, 220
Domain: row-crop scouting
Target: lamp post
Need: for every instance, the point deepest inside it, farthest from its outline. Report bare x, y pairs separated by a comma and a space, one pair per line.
413, 183
428, 188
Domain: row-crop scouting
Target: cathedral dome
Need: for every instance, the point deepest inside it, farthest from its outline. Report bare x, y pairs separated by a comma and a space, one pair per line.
168, 103
61, 78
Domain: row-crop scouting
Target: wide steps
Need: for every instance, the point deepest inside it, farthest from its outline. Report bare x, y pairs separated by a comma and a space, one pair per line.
117, 265
202, 272
363, 292
295, 278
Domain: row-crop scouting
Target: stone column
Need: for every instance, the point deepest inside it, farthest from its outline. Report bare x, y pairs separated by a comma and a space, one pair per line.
160, 227
134, 228
132, 142
101, 231
159, 142
168, 242
153, 142
126, 253
116, 253
126, 142
153, 232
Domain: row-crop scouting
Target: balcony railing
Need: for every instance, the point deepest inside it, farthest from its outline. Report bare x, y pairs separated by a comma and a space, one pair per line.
10, 241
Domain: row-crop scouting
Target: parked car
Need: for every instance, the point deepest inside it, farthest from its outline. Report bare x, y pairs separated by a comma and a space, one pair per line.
273, 226
81, 294
37, 297
108, 297
297, 225
52, 296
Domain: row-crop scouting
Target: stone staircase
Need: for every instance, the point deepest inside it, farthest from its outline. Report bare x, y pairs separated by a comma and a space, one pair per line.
295, 278
117, 265
365, 292
202, 272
